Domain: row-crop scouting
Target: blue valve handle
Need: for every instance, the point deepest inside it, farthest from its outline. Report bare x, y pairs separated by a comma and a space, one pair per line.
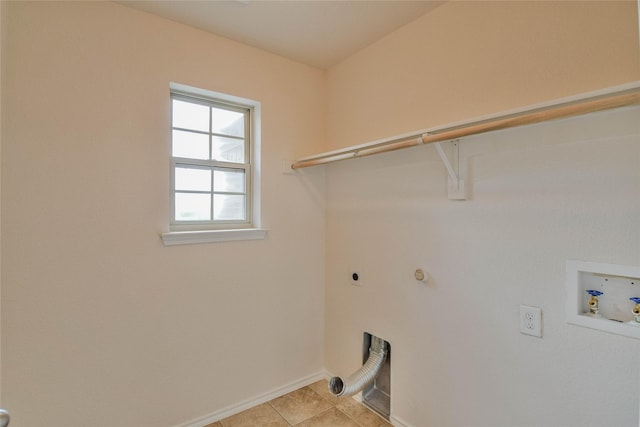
594, 293
635, 299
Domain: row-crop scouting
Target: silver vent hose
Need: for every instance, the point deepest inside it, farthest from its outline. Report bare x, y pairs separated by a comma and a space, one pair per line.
4, 418
363, 376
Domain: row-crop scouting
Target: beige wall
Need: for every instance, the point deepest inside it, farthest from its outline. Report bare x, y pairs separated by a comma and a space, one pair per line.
102, 325
539, 195
99, 320
467, 59
2, 40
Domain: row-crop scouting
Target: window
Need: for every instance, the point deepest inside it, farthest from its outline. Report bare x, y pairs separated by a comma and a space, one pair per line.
212, 161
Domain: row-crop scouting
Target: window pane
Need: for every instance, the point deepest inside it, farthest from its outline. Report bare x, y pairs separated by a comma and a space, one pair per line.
228, 207
190, 145
190, 116
192, 179
193, 207
228, 149
229, 181
227, 122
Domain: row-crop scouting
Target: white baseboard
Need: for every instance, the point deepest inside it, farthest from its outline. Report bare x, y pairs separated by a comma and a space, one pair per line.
397, 422
257, 400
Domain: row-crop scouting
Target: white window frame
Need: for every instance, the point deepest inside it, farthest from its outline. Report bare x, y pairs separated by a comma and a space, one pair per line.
184, 232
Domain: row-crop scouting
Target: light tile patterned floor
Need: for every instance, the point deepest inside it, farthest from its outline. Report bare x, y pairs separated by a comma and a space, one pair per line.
311, 406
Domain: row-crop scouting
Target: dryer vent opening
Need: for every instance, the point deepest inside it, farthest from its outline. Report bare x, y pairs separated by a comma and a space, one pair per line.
336, 386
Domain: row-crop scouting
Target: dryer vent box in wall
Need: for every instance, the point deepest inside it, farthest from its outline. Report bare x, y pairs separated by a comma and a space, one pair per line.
613, 286
377, 395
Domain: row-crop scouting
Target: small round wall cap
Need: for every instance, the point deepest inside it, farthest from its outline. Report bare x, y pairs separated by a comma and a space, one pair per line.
421, 275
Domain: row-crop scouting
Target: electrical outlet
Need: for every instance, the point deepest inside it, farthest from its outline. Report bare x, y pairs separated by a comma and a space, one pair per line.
531, 321
355, 277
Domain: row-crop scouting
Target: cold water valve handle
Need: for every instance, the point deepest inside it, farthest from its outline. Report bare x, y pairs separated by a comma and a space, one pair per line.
593, 302
636, 309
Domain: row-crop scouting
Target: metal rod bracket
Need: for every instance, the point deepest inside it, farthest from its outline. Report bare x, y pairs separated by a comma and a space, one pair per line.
456, 170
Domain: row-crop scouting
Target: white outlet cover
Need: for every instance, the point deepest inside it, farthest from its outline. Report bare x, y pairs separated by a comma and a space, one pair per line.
531, 320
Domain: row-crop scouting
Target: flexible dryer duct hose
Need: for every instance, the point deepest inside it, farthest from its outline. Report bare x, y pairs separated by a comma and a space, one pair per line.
363, 376
4, 418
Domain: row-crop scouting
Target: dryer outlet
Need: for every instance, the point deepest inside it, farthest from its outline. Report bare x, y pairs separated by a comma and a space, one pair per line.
355, 277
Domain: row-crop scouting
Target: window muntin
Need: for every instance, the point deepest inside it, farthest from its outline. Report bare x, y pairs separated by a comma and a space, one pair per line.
210, 163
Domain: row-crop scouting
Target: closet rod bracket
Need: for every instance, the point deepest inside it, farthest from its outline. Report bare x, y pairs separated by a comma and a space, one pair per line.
456, 170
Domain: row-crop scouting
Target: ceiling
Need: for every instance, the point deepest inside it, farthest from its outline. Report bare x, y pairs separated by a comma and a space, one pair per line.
320, 33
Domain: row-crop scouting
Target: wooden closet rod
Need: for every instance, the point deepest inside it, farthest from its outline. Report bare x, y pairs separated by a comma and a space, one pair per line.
619, 96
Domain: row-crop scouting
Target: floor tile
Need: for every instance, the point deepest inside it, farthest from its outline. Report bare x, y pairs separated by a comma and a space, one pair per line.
360, 413
329, 418
300, 405
258, 416
322, 388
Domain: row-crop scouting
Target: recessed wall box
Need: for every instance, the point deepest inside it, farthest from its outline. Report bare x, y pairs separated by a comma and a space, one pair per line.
377, 395
615, 286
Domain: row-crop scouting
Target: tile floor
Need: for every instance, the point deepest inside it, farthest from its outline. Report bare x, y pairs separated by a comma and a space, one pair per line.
311, 406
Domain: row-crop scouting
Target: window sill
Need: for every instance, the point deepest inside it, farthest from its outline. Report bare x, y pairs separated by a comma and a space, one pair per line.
212, 236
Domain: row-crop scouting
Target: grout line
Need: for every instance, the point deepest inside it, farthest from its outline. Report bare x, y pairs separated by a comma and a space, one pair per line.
332, 404
380, 418
278, 412
316, 415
